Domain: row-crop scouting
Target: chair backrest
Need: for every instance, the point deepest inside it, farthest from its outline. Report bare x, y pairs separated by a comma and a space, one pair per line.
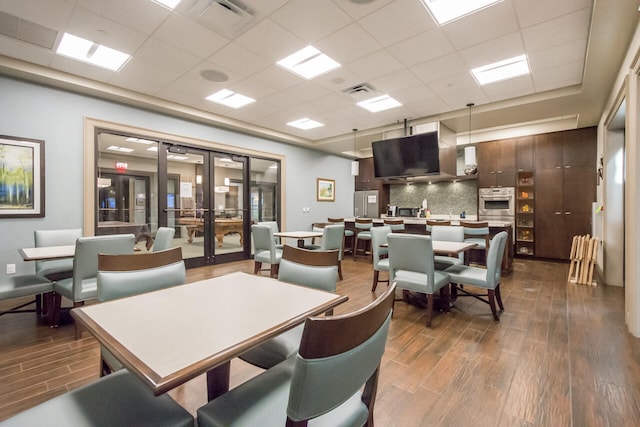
363, 223
337, 356
263, 240
494, 258
379, 237
477, 230
411, 252
338, 221
432, 222
124, 275
163, 239
448, 233
313, 269
59, 237
396, 224
274, 228
333, 238
85, 262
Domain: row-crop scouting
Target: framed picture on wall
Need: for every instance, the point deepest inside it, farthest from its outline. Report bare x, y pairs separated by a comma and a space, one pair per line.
21, 177
325, 190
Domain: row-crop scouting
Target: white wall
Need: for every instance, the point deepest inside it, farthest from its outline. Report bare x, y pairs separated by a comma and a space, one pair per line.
56, 116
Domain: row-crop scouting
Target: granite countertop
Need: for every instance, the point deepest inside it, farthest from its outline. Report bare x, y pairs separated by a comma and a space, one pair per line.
455, 220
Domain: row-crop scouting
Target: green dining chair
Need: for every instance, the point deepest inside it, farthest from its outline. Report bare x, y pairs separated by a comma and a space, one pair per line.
332, 239
380, 254
265, 249
447, 233
163, 239
56, 269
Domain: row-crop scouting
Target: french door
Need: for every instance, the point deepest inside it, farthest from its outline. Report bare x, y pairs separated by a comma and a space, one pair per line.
206, 201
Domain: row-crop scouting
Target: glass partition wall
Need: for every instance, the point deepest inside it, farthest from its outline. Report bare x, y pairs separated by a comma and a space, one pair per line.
209, 197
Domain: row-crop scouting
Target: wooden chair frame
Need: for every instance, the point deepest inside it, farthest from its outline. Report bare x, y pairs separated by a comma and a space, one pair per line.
309, 257
139, 261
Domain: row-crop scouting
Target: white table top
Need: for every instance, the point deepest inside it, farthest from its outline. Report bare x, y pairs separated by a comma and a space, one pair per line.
298, 234
442, 247
48, 252
170, 336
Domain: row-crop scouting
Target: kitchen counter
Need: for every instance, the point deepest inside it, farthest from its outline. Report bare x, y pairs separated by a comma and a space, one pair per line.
423, 221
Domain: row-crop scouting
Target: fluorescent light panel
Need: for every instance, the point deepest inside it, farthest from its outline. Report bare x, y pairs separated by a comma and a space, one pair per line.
308, 63
169, 4
87, 51
502, 70
230, 99
140, 141
379, 103
305, 124
444, 11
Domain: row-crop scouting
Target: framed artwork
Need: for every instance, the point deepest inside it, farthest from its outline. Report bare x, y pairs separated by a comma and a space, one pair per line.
21, 177
325, 190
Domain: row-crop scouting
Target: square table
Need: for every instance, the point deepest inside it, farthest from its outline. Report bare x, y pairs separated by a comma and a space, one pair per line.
170, 336
300, 235
47, 252
443, 247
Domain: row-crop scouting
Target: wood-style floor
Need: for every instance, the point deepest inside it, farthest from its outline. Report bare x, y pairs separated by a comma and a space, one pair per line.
560, 356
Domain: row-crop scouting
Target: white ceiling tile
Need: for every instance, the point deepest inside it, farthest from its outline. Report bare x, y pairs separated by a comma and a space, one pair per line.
195, 73
277, 77
439, 68
271, 40
179, 32
143, 77
482, 25
128, 13
339, 79
556, 77
306, 91
495, 50
253, 89
394, 82
398, 21
421, 48
187, 90
332, 101
556, 55
348, 44
535, 12
557, 31
375, 65
53, 14
26, 51
511, 88
359, 9
79, 68
311, 20
160, 53
239, 59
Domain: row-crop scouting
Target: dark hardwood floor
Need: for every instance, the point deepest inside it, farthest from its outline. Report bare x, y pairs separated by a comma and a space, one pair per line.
560, 356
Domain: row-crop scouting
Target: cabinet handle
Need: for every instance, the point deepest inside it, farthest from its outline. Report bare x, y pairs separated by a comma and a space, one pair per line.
558, 213
567, 213
567, 166
558, 167
492, 172
498, 172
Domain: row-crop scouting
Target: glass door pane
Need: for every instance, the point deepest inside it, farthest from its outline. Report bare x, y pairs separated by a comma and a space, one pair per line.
229, 205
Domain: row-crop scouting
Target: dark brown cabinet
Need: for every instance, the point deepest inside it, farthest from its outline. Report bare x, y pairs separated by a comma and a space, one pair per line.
524, 154
496, 163
565, 189
366, 180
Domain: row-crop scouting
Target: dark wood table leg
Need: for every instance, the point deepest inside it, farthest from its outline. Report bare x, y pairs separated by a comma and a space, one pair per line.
301, 243
218, 380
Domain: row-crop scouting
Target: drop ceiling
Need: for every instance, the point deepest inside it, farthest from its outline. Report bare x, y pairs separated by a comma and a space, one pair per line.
574, 48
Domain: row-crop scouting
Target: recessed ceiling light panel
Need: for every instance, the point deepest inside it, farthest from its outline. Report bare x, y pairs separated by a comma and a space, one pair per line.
444, 11
502, 70
92, 53
305, 124
169, 4
379, 103
230, 98
120, 149
308, 63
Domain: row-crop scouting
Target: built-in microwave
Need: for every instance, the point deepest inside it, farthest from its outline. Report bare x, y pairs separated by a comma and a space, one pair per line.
408, 212
496, 202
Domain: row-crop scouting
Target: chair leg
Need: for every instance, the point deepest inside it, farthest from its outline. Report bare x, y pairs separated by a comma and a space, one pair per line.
53, 313
444, 294
273, 271
499, 297
376, 274
430, 298
76, 324
257, 265
492, 304
340, 269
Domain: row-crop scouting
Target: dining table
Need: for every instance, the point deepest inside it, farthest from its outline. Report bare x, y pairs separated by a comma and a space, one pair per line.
171, 336
47, 252
299, 235
443, 247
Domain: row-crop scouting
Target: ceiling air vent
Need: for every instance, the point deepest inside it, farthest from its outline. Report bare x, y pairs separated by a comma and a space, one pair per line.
362, 90
27, 31
226, 17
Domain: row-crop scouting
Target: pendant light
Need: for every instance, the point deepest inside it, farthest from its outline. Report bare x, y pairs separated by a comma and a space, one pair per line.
470, 151
355, 165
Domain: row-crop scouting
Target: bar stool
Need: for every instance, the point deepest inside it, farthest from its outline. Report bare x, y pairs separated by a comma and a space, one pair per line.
396, 224
478, 233
348, 234
432, 222
363, 232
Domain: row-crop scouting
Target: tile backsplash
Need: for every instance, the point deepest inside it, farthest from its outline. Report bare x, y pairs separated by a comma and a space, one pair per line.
443, 198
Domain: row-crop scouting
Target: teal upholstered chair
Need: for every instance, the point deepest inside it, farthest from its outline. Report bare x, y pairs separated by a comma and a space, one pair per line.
363, 233
56, 269
125, 275
119, 399
447, 233
27, 285
331, 381
332, 239
274, 229
411, 268
433, 222
485, 278
314, 269
163, 239
396, 224
380, 254
348, 234
82, 286
264, 249
478, 233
